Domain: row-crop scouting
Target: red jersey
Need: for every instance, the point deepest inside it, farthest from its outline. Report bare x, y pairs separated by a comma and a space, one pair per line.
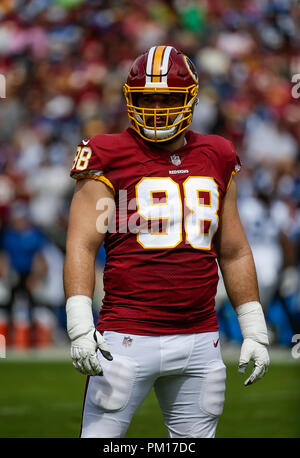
161, 274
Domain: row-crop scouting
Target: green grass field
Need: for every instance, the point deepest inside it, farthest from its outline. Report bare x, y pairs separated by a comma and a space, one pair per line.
44, 400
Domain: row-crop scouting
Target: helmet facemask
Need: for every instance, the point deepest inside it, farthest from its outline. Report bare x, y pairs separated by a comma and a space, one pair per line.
160, 124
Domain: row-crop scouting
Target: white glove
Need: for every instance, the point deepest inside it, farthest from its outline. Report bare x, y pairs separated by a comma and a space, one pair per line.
84, 337
254, 331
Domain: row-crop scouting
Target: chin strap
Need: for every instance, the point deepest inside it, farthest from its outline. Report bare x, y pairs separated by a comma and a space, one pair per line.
160, 134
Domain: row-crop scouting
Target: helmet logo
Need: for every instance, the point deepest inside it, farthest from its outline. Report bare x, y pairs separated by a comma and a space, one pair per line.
191, 69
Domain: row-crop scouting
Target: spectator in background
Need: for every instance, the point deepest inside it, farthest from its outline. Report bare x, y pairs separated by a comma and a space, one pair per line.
266, 220
268, 143
21, 253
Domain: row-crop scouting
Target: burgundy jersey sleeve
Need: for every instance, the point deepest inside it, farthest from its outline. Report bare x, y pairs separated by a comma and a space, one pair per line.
90, 161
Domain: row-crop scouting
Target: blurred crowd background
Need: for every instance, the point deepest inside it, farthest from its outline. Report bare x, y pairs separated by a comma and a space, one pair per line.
65, 62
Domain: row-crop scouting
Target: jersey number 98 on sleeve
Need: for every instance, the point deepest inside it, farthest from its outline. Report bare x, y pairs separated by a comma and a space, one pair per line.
82, 158
198, 212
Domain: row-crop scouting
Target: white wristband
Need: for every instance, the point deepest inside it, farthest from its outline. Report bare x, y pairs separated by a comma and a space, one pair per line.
79, 316
252, 322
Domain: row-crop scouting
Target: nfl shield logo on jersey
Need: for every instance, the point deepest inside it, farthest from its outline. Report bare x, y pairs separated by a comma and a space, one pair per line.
175, 159
127, 341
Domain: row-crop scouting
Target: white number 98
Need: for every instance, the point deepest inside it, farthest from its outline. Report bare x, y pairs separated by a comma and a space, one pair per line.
200, 216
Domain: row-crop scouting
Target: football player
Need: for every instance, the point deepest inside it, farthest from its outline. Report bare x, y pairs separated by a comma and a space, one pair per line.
163, 200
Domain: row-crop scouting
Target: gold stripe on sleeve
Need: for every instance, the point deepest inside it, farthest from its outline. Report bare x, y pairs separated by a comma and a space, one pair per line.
234, 172
97, 178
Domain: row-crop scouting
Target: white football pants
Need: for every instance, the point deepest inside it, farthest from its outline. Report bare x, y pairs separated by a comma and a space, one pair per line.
187, 373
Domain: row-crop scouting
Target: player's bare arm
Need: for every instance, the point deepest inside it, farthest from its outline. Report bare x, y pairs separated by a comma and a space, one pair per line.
234, 253
85, 236
86, 232
239, 274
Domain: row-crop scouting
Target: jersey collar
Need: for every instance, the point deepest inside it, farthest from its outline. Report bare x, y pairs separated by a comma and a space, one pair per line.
155, 151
